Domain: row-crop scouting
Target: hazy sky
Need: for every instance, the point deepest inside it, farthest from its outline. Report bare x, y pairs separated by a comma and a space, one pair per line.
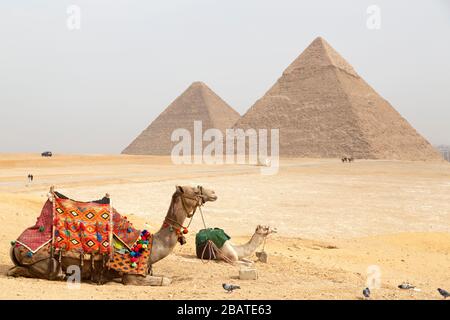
94, 89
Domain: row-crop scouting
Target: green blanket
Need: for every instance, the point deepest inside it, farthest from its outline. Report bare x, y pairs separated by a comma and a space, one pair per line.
216, 235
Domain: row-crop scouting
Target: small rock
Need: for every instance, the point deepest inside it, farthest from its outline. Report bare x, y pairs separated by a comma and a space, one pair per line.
262, 256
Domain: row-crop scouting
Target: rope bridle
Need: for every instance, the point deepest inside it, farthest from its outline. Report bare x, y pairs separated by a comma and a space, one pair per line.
179, 228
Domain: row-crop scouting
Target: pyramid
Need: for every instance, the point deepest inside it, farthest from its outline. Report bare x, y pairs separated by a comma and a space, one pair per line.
197, 103
324, 109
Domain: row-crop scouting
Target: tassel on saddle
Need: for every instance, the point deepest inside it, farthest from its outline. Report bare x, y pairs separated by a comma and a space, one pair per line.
104, 259
54, 267
92, 267
182, 239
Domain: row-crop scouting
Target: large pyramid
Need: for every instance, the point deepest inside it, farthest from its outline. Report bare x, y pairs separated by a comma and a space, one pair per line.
197, 103
323, 108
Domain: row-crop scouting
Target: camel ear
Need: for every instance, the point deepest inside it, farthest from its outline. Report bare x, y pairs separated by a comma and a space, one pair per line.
180, 189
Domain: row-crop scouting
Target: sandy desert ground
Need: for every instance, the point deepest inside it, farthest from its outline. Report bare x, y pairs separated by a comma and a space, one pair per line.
334, 221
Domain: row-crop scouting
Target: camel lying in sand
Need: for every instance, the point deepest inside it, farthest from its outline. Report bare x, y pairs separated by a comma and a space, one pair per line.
238, 253
183, 205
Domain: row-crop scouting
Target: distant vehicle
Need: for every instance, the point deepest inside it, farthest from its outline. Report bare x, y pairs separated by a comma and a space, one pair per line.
47, 154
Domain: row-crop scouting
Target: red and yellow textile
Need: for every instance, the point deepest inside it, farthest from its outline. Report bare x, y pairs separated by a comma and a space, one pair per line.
124, 230
134, 261
82, 226
87, 227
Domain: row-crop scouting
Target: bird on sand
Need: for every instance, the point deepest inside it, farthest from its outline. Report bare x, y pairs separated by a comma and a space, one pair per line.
366, 293
230, 287
444, 293
406, 286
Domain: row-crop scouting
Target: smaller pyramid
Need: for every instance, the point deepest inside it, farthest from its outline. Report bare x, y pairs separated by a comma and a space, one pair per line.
197, 103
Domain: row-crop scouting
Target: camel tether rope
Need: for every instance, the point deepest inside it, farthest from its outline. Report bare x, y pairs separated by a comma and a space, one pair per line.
210, 246
168, 222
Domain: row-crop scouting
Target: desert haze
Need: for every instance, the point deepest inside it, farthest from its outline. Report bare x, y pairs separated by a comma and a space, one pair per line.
334, 220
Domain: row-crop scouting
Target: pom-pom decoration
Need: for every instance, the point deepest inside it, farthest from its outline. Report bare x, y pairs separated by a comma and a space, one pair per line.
139, 247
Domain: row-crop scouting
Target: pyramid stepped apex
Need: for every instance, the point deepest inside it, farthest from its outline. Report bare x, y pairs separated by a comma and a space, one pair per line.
320, 40
323, 109
197, 103
320, 54
198, 84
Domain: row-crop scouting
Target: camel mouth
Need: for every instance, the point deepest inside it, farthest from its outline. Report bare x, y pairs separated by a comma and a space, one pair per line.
206, 198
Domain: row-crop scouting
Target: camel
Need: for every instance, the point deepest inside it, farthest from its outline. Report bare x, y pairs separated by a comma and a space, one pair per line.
183, 205
238, 253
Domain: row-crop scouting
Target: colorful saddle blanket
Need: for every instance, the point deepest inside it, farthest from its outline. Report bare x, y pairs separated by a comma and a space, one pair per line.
79, 226
88, 227
37, 236
84, 227
135, 260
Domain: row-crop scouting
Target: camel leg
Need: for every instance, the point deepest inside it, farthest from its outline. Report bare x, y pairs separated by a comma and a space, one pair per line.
247, 261
244, 263
41, 270
19, 271
138, 280
228, 252
38, 270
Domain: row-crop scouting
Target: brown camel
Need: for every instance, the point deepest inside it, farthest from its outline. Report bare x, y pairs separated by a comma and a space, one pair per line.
184, 202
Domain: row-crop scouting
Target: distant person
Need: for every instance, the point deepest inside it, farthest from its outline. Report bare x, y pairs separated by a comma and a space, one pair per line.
32, 177
29, 177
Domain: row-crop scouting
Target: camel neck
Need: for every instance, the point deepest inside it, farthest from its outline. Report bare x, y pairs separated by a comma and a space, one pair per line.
165, 240
248, 248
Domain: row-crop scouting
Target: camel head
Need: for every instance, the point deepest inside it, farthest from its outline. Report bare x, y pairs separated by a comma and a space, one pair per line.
195, 196
197, 192
265, 230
